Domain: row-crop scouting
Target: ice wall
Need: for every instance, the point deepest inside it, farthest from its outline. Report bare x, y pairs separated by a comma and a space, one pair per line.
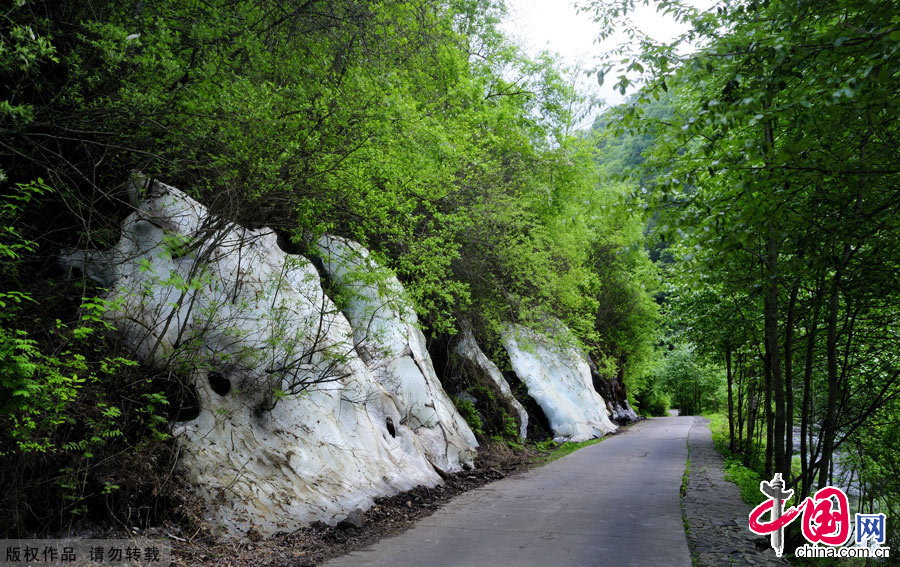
294, 426
387, 336
558, 377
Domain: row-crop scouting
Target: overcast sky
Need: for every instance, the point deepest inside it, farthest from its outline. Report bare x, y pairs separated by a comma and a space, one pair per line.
554, 25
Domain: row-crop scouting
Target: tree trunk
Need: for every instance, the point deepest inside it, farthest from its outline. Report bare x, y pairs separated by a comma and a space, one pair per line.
752, 410
789, 379
828, 432
776, 383
806, 409
768, 421
741, 380
730, 399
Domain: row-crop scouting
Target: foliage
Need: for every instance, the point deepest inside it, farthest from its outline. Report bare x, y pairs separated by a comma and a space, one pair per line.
654, 401
485, 409
65, 414
411, 126
873, 467
693, 384
775, 182
417, 131
628, 316
470, 414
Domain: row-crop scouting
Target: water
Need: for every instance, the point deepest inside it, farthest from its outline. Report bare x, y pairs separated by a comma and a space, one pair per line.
842, 470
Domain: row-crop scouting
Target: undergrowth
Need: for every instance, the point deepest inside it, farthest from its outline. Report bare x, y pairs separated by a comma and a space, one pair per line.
746, 478
552, 451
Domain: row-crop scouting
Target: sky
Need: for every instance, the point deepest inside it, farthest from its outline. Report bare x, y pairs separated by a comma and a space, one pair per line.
556, 26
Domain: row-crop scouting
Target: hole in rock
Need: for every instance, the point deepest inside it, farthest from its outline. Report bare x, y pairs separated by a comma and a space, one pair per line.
74, 271
390, 426
189, 408
284, 243
219, 383
439, 348
179, 390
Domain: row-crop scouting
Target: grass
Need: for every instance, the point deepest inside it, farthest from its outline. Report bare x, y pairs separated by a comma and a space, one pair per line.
552, 450
747, 479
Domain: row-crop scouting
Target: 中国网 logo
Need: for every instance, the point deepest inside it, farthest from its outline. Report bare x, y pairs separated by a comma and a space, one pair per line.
824, 519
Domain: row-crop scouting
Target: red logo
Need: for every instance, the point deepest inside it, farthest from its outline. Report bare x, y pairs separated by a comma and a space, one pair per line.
824, 524
774, 524
826, 515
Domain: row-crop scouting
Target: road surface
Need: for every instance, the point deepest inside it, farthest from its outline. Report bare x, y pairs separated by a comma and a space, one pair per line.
615, 503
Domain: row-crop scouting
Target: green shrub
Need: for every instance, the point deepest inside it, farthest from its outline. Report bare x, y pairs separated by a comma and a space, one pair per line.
746, 479
83, 431
653, 402
470, 414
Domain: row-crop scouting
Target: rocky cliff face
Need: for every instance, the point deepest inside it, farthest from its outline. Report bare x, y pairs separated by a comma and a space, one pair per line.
612, 390
294, 425
559, 379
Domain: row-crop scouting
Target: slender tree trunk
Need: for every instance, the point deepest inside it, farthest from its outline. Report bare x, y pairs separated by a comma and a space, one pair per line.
772, 356
760, 428
752, 418
806, 409
789, 379
828, 432
769, 429
741, 380
815, 447
768, 415
830, 470
730, 399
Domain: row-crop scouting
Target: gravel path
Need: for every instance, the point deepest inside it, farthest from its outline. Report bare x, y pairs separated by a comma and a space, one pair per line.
715, 513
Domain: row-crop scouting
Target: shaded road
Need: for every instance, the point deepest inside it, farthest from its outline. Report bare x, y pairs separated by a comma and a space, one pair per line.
615, 503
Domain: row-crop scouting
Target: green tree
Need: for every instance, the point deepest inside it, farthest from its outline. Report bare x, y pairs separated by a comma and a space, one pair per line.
781, 165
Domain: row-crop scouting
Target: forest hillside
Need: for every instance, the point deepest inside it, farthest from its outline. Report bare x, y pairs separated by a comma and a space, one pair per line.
413, 128
388, 210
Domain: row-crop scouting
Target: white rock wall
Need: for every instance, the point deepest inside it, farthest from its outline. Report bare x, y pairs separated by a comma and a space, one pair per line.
387, 336
559, 380
229, 308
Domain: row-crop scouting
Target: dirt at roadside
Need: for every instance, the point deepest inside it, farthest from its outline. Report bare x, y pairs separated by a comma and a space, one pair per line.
315, 544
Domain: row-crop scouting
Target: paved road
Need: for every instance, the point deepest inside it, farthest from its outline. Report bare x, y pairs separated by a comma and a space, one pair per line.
615, 503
